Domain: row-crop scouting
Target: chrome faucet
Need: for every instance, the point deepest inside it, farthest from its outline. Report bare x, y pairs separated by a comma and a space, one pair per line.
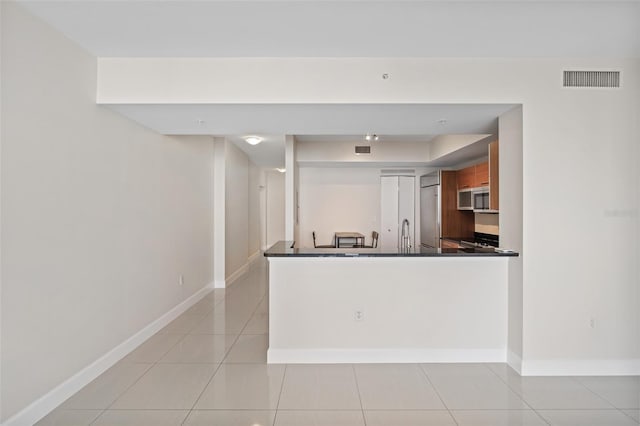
405, 239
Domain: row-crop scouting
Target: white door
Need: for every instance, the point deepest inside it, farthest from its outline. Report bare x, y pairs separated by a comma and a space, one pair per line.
406, 205
388, 238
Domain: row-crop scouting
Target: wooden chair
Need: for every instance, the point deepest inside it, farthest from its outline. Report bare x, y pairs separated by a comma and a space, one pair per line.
321, 245
374, 241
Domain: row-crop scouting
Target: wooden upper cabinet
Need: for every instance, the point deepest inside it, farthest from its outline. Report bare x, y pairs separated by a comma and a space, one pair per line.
466, 177
482, 174
474, 176
494, 176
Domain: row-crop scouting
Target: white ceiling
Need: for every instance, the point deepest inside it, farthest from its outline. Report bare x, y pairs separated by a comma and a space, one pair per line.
361, 28
347, 28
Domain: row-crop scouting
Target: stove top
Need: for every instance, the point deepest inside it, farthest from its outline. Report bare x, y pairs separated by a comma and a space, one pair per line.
482, 240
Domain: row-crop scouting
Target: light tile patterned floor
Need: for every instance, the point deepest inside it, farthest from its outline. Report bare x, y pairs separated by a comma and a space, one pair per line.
208, 367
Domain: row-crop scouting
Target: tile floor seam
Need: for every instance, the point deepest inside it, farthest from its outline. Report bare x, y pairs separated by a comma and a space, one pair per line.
240, 333
629, 415
595, 393
92, 421
355, 376
152, 364
226, 354
579, 409
131, 385
517, 393
222, 361
424, 373
583, 409
284, 377
541, 417
184, 336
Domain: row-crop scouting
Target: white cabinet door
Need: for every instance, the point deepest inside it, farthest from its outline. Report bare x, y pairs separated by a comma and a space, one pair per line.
397, 198
388, 212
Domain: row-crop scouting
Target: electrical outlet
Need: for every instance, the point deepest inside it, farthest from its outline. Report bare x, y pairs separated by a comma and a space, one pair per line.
181, 280
358, 315
592, 323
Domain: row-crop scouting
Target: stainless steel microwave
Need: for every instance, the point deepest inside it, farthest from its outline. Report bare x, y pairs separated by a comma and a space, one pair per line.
481, 198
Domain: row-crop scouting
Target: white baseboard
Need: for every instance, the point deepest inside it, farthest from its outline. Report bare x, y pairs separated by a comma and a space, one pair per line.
577, 367
45, 404
514, 361
255, 256
238, 273
357, 356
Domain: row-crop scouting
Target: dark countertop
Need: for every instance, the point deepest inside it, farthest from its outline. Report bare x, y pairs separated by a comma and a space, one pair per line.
285, 249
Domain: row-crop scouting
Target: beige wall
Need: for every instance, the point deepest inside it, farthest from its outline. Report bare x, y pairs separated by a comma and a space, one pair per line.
99, 215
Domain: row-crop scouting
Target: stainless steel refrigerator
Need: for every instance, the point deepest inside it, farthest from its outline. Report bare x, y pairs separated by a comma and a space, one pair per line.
430, 210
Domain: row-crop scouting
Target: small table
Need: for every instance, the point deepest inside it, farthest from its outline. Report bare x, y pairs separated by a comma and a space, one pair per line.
358, 237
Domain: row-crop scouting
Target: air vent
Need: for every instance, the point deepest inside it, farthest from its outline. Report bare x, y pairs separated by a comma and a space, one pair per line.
398, 172
591, 79
363, 149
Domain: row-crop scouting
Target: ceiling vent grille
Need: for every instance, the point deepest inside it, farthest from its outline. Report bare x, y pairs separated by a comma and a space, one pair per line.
398, 172
363, 149
591, 79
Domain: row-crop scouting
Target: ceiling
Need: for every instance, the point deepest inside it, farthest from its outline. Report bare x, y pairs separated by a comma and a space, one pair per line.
267, 28
303, 28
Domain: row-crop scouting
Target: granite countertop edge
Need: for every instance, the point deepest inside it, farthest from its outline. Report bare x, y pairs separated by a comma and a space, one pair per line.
286, 249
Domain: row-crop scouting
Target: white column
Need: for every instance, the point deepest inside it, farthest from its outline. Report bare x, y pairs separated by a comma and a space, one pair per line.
510, 221
290, 188
219, 217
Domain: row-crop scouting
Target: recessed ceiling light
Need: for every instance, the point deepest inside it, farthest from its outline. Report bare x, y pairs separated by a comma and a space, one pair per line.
281, 170
371, 137
253, 140
200, 121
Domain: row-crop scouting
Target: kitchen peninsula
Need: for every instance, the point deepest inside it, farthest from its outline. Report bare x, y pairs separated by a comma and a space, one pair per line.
380, 305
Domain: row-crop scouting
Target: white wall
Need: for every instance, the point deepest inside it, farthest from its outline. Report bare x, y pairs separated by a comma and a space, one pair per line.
587, 136
99, 215
338, 200
237, 209
218, 236
275, 205
290, 189
255, 180
406, 305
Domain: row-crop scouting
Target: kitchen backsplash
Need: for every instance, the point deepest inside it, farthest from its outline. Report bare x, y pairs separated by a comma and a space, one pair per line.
487, 223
